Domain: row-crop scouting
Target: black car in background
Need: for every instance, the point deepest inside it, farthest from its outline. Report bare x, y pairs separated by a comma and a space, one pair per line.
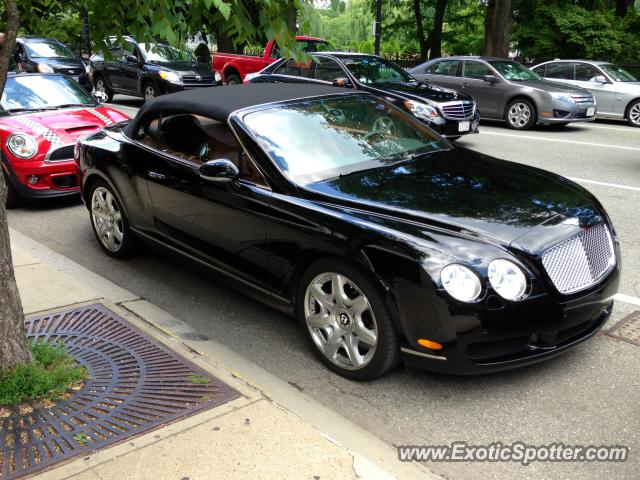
148, 70
386, 245
48, 55
448, 112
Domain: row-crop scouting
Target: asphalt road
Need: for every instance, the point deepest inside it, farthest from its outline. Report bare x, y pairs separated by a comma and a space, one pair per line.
588, 396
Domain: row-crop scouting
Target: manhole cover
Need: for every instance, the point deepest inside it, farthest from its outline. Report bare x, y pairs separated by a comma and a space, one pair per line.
627, 329
135, 385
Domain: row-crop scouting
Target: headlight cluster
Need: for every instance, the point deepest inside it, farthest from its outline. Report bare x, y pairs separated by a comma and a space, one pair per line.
424, 111
172, 77
506, 278
21, 145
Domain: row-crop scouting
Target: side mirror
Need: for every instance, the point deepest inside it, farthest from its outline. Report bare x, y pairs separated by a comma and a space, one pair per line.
18, 57
600, 79
131, 59
99, 96
341, 82
220, 170
490, 79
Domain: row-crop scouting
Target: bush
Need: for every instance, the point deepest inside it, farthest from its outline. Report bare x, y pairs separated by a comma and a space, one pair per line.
202, 53
49, 376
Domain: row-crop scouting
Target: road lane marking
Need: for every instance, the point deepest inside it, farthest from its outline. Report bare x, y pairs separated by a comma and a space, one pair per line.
605, 184
574, 142
621, 297
622, 129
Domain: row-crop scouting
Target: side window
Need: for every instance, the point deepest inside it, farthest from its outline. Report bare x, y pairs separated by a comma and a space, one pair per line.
291, 67
539, 70
586, 72
200, 139
148, 132
328, 70
476, 70
563, 71
445, 67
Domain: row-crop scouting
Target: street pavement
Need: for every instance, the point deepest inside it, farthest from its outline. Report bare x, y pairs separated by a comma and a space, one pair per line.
588, 396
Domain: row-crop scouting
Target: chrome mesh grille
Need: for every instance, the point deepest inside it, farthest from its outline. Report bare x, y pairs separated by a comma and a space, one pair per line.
457, 110
581, 261
583, 100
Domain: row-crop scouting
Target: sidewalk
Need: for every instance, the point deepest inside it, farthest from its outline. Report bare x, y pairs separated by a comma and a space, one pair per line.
272, 431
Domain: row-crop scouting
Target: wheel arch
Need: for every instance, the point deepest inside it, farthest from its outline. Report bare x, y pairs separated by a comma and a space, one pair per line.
231, 69
628, 107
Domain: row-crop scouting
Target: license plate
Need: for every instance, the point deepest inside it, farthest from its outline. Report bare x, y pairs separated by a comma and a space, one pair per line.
591, 111
464, 126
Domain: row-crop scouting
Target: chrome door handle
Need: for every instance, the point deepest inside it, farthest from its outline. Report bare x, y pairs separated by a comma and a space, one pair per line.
157, 176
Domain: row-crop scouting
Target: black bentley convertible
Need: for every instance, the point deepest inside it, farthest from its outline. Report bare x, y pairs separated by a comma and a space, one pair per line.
386, 246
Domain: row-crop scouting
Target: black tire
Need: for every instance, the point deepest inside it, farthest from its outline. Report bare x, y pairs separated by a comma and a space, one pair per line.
129, 244
13, 197
233, 79
386, 354
633, 113
101, 86
149, 91
521, 114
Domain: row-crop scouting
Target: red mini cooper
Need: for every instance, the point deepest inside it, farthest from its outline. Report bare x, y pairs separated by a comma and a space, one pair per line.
41, 118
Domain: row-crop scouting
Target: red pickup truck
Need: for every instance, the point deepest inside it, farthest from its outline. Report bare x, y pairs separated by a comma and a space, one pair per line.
233, 67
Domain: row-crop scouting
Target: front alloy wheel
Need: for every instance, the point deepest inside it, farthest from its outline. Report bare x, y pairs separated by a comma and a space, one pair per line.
347, 321
149, 92
520, 115
634, 114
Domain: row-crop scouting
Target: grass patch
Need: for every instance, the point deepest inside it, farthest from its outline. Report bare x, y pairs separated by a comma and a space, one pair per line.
198, 379
50, 375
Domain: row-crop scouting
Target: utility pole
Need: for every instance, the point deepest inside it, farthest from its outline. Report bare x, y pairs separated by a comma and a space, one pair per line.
378, 26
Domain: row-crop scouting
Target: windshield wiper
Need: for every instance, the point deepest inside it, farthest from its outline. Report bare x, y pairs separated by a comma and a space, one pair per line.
68, 105
16, 110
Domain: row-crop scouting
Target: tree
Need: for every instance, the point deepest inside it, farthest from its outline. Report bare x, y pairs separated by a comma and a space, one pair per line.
424, 46
623, 6
497, 28
435, 37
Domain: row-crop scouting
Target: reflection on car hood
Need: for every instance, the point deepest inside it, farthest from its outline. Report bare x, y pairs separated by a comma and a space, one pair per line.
187, 68
549, 86
65, 63
467, 191
421, 91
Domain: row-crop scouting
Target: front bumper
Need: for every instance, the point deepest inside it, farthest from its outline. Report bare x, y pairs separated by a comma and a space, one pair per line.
485, 341
563, 112
56, 179
451, 128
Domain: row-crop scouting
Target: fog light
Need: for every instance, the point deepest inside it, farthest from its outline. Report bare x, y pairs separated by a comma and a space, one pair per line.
429, 344
33, 179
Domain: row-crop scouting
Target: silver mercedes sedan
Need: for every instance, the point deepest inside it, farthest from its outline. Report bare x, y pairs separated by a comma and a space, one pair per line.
507, 90
617, 91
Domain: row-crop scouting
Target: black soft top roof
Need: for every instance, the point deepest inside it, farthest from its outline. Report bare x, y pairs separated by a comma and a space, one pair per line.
219, 102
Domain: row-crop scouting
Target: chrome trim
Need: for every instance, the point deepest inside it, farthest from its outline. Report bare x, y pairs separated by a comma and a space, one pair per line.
421, 354
455, 103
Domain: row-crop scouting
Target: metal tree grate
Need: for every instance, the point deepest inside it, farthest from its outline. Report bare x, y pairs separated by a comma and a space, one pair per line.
134, 385
627, 329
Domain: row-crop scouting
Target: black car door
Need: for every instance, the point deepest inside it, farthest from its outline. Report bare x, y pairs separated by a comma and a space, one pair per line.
291, 71
327, 70
222, 223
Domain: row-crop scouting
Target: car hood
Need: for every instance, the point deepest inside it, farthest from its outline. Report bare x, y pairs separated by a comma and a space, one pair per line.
421, 91
64, 126
549, 86
187, 68
63, 63
470, 193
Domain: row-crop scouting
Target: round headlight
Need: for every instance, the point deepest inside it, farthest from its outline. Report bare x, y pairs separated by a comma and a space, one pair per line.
507, 279
21, 145
44, 68
461, 282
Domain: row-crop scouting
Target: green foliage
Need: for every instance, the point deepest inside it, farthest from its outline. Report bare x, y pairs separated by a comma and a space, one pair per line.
366, 46
49, 376
463, 30
65, 26
198, 379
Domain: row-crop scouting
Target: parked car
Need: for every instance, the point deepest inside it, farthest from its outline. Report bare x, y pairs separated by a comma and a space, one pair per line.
148, 70
48, 55
450, 113
233, 67
617, 92
41, 118
384, 245
506, 90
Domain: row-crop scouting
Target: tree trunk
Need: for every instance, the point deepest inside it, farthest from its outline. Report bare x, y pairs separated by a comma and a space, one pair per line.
435, 47
14, 348
497, 28
292, 17
86, 33
623, 6
424, 46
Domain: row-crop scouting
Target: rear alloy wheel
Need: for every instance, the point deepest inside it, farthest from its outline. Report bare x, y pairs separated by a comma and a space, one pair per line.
633, 115
521, 114
101, 86
233, 79
346, 320
110, 223
149, 92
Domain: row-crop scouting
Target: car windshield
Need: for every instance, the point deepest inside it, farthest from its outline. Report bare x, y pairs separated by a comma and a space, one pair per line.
42, 92
321, 138
315, 46
617, 73
48, 50
372, 70
514, 71
155, 52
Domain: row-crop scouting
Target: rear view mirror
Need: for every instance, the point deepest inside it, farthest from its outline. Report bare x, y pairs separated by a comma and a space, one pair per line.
340, 82
490, 79
600, 79
220, 170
